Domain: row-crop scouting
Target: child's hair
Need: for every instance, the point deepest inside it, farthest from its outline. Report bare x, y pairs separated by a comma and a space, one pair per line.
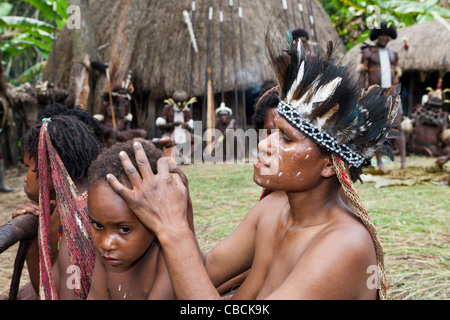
268, 99
74, 141
81, 114
108, 162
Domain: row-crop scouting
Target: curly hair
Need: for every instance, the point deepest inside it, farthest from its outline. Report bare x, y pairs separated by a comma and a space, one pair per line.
74, 141
108, 162
81, 114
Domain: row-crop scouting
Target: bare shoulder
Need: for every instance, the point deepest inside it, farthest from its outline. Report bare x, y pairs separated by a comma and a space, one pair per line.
265, 210
275, 199
339, 258
336, 264
347, 236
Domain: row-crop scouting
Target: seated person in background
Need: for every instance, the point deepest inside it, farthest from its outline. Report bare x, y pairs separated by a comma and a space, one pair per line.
116, 120
175, 121
224, 122
430, 126
129, 263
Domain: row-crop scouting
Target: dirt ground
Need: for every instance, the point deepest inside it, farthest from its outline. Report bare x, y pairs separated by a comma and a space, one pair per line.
8, 203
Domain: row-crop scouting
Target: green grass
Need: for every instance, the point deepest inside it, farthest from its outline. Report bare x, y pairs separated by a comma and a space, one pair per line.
412, 221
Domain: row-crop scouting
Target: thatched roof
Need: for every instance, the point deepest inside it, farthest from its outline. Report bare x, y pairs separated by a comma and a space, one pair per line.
156, 42
428, 43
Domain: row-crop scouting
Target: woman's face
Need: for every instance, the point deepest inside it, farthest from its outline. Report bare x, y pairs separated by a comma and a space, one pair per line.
288, 160
118, 235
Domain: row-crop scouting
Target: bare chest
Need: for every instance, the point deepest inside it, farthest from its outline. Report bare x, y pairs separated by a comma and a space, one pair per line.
374, 57
275, 259
135, 283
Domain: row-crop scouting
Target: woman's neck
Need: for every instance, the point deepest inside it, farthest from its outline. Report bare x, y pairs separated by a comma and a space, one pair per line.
314, 206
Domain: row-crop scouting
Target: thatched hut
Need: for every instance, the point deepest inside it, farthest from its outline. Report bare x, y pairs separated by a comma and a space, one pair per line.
151, 39
421, 63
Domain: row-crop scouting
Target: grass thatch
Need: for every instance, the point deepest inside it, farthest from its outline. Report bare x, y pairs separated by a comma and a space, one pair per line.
151, 39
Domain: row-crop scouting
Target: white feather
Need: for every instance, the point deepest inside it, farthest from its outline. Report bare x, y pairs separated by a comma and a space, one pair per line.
326, 91
297, 82
300, 73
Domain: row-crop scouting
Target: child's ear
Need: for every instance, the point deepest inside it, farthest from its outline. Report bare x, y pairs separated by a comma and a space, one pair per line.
328, 169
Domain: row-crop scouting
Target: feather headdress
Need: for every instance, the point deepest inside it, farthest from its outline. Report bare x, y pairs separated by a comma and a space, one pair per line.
323, 100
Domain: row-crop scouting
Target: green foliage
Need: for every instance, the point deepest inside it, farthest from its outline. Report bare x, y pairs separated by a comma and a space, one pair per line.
27, 29
352, 18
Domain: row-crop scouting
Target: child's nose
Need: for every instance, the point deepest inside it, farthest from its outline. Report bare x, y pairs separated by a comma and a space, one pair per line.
108, 243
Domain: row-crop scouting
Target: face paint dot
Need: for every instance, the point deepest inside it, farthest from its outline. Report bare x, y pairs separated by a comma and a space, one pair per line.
280, 174
299, 173
307, 156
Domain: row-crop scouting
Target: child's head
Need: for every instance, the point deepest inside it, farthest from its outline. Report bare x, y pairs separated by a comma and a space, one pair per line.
118, 235
266, 109
82, 114
74, 141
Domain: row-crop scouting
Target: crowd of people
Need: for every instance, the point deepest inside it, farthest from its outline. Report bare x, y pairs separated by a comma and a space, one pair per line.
116, 212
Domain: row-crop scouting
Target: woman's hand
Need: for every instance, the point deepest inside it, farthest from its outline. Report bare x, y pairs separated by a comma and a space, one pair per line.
159, 201
29, 206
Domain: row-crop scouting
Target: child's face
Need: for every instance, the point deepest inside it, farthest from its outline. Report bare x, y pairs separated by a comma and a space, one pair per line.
31, 180
118, 235
288, 160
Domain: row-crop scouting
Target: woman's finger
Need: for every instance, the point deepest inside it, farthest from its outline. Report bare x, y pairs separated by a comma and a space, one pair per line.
173, 168
142, 160
118, 187
162, 165
130, 170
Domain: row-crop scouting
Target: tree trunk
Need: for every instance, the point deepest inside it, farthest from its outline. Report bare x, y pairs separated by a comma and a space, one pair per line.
84, 79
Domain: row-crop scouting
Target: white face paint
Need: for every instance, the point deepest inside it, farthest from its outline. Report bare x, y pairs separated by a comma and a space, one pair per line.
286, 158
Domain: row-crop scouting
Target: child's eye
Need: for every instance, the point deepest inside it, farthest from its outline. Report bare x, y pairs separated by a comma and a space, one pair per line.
96, 225
124, 230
